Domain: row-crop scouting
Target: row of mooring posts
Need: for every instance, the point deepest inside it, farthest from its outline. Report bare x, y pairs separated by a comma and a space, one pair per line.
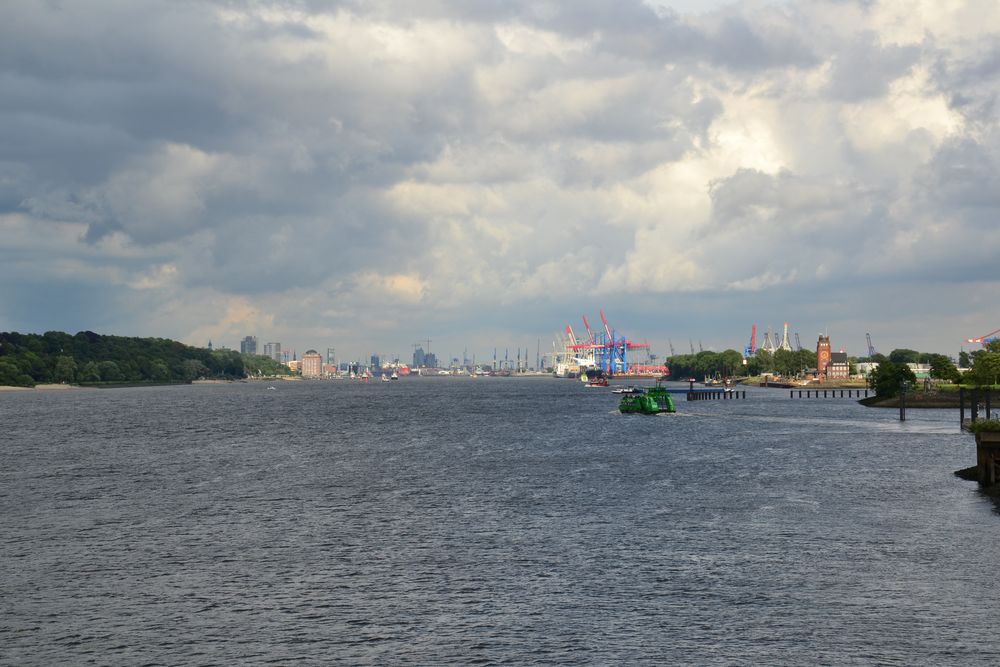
716, 395
977, 398
815, 393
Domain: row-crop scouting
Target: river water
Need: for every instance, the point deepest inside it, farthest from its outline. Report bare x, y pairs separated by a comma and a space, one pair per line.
484, 521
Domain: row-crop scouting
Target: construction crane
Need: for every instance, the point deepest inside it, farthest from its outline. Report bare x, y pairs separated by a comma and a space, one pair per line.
798, 343
751, 349
671, 344
985, 339
871, 347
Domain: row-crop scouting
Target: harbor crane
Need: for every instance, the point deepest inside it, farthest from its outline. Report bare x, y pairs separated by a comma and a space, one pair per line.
590, 334
610, 352
985, 339
798, 343
871, 347
751, 349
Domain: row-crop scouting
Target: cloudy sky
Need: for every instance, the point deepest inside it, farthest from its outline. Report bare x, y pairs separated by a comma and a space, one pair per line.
361, 174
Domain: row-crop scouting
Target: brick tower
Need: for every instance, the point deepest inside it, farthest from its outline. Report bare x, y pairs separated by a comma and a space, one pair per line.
822, 356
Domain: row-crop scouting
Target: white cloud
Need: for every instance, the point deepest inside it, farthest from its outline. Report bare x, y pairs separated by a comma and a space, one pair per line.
284, 169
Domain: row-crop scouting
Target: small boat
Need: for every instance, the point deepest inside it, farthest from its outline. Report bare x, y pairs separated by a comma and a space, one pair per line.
630, 389
385, 378
394, 376
595, 377
270, 388
653, 402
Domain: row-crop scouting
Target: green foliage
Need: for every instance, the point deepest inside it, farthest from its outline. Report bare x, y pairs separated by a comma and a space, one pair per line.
964, 360
259, 365
110, 372
65, 369
27, 359
942, 368
904, 356
985, 369
888, 377
705, 363
11, 375
985, 425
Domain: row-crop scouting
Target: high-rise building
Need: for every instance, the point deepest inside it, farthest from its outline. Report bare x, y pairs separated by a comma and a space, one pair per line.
419, 358
273, 350
376, 363
248, 345
822, 355
312, 364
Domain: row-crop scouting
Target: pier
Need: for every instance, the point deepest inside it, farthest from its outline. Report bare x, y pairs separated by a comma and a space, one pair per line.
815, 393
713, 394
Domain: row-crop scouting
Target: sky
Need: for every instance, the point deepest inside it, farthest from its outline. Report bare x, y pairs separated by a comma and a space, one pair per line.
366, 175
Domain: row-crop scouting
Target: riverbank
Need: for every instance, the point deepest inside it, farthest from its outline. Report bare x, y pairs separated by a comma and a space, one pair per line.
41, 387
929, 400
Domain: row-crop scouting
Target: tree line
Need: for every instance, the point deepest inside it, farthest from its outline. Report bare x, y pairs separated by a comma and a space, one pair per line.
983, 366
90, 358
730, 363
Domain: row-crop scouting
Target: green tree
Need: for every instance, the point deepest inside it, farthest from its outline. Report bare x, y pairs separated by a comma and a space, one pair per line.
88, 373
985, 369
964, 360
942, 368
904, 356
159, 372
785, 362
193, 369
765, 361
11, 375
65, 370
888, 376
110, 372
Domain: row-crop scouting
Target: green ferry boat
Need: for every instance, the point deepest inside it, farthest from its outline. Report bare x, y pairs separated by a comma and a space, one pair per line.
656, 400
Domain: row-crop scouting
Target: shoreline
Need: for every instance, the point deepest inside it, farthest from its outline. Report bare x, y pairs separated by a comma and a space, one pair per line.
42, 387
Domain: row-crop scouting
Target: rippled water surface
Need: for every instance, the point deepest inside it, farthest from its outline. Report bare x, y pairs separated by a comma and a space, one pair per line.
457, 521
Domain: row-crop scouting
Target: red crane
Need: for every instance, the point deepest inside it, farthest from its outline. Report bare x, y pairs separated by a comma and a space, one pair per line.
587, 327
985, 339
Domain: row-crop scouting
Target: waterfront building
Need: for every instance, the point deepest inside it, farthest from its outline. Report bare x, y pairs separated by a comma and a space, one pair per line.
376, 363
822, 356
419, 358
273, 350
838, 368
248, 345
312, 364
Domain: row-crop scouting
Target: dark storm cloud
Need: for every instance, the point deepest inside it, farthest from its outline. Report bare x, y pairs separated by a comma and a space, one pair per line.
434, 154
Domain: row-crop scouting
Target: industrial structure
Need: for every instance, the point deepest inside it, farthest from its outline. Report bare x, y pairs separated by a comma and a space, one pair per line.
985, 339
603, 350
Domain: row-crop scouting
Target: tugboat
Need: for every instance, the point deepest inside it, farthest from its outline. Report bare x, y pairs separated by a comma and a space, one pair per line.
653, 402
596, 378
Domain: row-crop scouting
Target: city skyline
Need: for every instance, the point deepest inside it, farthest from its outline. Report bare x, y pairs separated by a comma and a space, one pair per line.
360, 176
